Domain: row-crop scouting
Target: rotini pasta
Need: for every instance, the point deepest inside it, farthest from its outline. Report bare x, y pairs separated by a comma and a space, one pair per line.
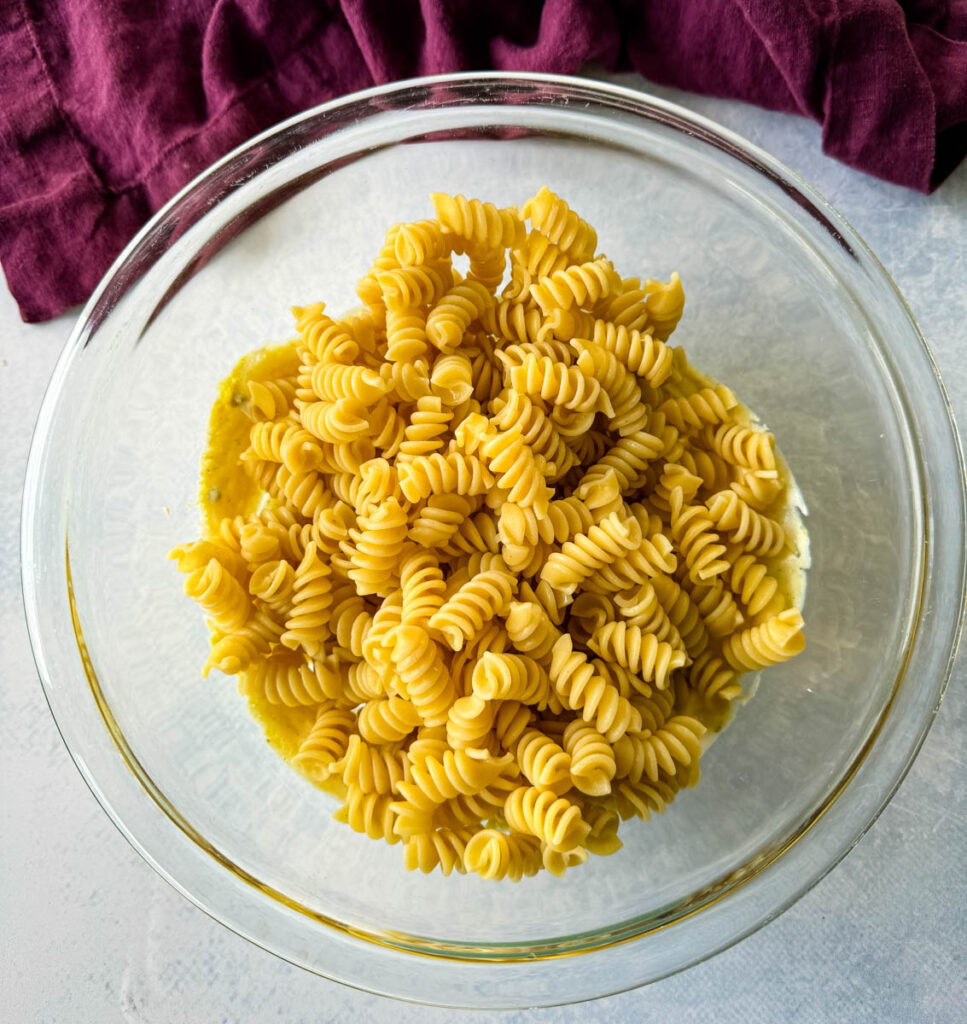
496, 540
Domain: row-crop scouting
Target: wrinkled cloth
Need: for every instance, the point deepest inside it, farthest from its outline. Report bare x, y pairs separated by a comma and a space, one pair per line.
109, 107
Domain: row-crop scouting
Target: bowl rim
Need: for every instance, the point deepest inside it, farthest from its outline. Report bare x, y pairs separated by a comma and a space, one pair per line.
710, 132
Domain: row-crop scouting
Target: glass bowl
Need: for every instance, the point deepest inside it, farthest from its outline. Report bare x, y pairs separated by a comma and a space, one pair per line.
784, 303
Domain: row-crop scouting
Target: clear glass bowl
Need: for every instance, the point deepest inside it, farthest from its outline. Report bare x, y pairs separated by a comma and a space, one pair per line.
785, 304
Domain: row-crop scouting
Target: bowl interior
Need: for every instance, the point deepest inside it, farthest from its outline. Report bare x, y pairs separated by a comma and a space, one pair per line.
778, 307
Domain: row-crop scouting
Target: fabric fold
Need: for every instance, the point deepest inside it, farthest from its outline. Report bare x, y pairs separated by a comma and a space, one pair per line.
109, 108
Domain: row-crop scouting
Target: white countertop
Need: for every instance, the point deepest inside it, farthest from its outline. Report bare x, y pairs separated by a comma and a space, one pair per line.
90, 933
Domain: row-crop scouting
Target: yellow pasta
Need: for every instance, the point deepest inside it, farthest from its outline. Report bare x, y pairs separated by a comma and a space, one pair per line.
494, 544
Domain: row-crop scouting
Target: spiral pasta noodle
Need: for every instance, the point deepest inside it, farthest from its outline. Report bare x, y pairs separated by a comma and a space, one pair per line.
488, 556
553, 218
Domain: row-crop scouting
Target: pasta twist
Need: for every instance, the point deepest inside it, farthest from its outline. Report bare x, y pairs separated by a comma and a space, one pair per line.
362, 682
487, 267
642, 608
564, 519
665, 305
538, 432
456, 310
557, 862
682, 613
543, 762
428, 424
337, 422
408, 287
326, 743
308, 624
553, 819
638, 651
372, 769
478, 533
378, 640
674, 476
511, 720
566, 386
711, 677
387, 720
423, 587
495, 855
565, 324
481, 225
424, 674
232, 653
333, 381
709, 405
642, 799
439, 519
627, 307
271, 399
220, 594
405, 339
422, 241
369, 814
714, 472
512, 321
717, 607
281, 679
452, 378
258, 545
602, 839
755, 533
476, 602
377, 544
443, 848
325, 340
457, 772
758, 493
408, 380
605, 542
581, 285
539, 256
581, 689
589, 612
649, 561
514, 355
367, 288
694, 533
285, 442
510, 677
673, 750
631, 415
750, 581
531, 630
454, 473
742, 446
517, 470
777, 639
197, 555
628, 458
469, 722
626, 682
592, 759
552, 217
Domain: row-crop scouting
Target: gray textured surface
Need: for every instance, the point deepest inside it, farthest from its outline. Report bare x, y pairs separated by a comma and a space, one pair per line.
90, 933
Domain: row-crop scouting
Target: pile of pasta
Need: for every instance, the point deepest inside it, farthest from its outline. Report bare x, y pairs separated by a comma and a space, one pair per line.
510, 545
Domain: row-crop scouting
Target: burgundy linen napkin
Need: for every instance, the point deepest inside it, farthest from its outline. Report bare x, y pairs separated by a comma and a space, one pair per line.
108, 107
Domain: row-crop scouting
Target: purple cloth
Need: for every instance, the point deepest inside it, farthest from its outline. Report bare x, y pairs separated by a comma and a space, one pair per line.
110, 106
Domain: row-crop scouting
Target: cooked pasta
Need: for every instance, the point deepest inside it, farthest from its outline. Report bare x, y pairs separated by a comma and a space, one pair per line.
489, 547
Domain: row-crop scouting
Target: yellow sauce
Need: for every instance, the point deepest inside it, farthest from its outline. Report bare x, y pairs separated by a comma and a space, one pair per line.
224, 491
